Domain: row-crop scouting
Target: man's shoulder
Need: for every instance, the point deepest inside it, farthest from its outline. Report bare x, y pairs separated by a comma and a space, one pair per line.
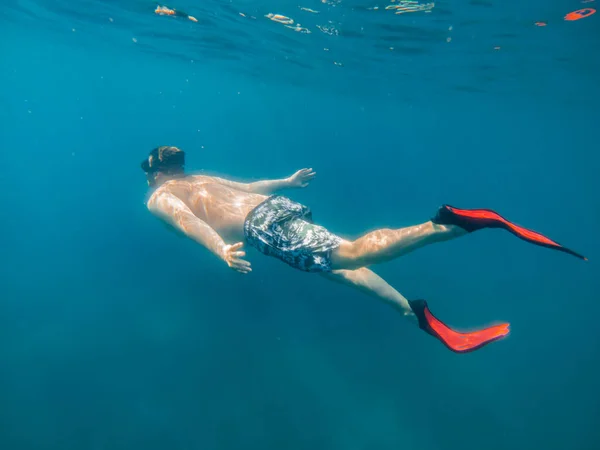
154, 195
176, 187
173, 188
151, 198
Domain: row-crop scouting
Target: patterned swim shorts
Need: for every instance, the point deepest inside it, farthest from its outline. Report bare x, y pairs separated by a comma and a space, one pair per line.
284, 229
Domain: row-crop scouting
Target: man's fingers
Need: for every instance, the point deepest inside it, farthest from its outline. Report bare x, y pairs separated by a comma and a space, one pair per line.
244, 268
236, 246
233, 257
303, 176
240, 266
238, 262
241, 262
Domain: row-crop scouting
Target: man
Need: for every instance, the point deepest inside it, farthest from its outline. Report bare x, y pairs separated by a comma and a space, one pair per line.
221, 215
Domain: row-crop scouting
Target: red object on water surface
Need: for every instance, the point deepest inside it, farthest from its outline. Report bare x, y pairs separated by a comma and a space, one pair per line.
580, 14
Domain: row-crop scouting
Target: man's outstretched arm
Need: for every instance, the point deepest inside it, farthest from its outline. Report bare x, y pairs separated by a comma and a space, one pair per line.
176, 213
299, 179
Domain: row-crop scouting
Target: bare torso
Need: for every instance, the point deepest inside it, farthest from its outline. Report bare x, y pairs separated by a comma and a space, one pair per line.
222, 207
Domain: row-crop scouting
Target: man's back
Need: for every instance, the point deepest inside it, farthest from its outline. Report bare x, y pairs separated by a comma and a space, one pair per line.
222, 204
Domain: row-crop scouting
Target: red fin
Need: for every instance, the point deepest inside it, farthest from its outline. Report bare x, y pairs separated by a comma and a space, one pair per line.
489, 218
465, 342
456, 341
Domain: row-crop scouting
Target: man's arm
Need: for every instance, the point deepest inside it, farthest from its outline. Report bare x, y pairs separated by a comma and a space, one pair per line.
175, 212
268, 187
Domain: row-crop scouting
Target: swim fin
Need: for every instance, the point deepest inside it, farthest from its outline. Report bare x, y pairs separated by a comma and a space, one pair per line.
477, 219
456, 341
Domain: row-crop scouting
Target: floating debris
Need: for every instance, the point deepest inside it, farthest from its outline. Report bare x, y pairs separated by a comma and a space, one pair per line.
410, 6
580, 14
308, 10
280, 18
299, 29
331, 31
166, 11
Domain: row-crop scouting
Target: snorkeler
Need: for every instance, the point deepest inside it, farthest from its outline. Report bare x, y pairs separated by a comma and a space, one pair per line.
221, 215
165, 11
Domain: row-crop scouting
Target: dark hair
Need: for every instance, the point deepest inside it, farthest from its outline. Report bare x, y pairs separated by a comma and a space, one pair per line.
167, 160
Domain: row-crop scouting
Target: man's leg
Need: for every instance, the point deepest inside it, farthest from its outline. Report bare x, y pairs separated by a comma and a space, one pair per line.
386, 244
417, 311
370, 283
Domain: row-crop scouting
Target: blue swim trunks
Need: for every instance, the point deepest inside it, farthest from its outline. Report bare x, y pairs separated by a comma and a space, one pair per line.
284, 229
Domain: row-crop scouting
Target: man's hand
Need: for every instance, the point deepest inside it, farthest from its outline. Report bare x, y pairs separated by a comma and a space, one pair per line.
301, 178
233, 257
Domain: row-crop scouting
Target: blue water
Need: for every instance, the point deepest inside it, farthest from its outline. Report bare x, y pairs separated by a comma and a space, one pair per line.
116, 334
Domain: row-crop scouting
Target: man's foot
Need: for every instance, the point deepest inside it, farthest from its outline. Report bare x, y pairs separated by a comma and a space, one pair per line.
476, 219
456, 341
